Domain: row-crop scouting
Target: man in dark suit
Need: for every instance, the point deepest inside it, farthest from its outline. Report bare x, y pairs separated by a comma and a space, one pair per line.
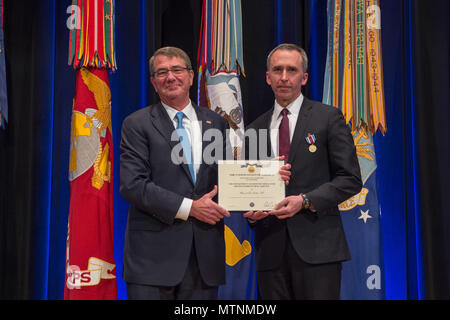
301, 243
174, 242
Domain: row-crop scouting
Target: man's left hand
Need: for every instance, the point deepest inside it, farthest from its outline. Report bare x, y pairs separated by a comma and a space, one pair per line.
287, 207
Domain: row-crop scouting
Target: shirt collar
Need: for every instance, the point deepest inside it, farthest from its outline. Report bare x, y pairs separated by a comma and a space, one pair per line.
188, 111
293, 107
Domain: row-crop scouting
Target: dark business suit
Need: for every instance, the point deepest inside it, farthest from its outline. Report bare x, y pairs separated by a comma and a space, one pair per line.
157, 246
328, 176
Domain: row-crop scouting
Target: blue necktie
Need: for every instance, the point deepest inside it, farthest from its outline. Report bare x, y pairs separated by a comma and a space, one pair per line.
185, 143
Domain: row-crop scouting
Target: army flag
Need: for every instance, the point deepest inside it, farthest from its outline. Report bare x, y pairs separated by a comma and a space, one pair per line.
220, 63
3, 92
90, 266
353, 82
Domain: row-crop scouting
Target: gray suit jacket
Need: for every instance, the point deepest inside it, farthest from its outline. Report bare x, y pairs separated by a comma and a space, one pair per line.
157, 246
328, 176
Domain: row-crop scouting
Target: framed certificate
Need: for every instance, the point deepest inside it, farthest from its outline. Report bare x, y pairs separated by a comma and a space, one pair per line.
250, 185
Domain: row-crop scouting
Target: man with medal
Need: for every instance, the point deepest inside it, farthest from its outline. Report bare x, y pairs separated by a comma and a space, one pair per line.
300, 244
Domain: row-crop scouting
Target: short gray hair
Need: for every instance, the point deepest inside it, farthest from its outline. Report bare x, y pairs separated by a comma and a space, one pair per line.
290, 47
169, 52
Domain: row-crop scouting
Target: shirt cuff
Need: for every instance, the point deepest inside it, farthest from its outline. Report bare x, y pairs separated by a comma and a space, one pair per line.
184, 209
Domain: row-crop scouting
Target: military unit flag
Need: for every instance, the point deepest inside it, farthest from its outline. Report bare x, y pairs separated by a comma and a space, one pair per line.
220, 63
90, 266
353, 82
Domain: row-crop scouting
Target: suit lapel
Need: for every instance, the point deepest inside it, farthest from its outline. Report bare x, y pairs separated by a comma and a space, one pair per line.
205, 124
164, 125
265, 124
300, 127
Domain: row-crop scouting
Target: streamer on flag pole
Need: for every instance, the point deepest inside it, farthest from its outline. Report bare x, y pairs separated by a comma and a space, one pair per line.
3, 88
90, 266
353, 82
220, 63
91, 42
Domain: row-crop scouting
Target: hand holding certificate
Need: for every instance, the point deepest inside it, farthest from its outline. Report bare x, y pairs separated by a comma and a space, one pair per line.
250, 185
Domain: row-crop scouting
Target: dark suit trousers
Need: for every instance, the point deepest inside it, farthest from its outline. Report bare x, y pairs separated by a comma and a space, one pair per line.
192, 287
295, 279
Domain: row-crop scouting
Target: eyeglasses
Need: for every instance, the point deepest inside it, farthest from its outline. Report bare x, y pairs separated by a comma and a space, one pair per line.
162, 73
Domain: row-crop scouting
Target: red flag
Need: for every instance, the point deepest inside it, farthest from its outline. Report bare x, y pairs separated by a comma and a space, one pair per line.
90, 266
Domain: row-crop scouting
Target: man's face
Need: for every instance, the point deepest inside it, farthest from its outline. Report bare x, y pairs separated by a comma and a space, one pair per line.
173, 87
285, 75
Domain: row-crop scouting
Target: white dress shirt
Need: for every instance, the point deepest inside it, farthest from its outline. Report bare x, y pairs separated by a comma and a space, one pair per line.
294, 110
193, 128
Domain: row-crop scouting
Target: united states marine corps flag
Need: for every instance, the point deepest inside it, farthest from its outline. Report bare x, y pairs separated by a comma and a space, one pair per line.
3, 93
353, 82
90, 266
220, 63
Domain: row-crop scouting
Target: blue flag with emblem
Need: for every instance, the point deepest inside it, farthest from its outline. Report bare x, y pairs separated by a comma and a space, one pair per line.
353, 82
220, 64
3, 92
363, 276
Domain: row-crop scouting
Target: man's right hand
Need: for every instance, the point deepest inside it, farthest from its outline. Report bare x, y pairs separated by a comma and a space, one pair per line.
206, 210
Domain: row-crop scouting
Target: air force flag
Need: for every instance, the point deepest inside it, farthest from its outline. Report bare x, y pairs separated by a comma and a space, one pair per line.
363, 276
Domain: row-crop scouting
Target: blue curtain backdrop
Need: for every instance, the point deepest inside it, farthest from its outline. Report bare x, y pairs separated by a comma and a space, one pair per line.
34, 149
